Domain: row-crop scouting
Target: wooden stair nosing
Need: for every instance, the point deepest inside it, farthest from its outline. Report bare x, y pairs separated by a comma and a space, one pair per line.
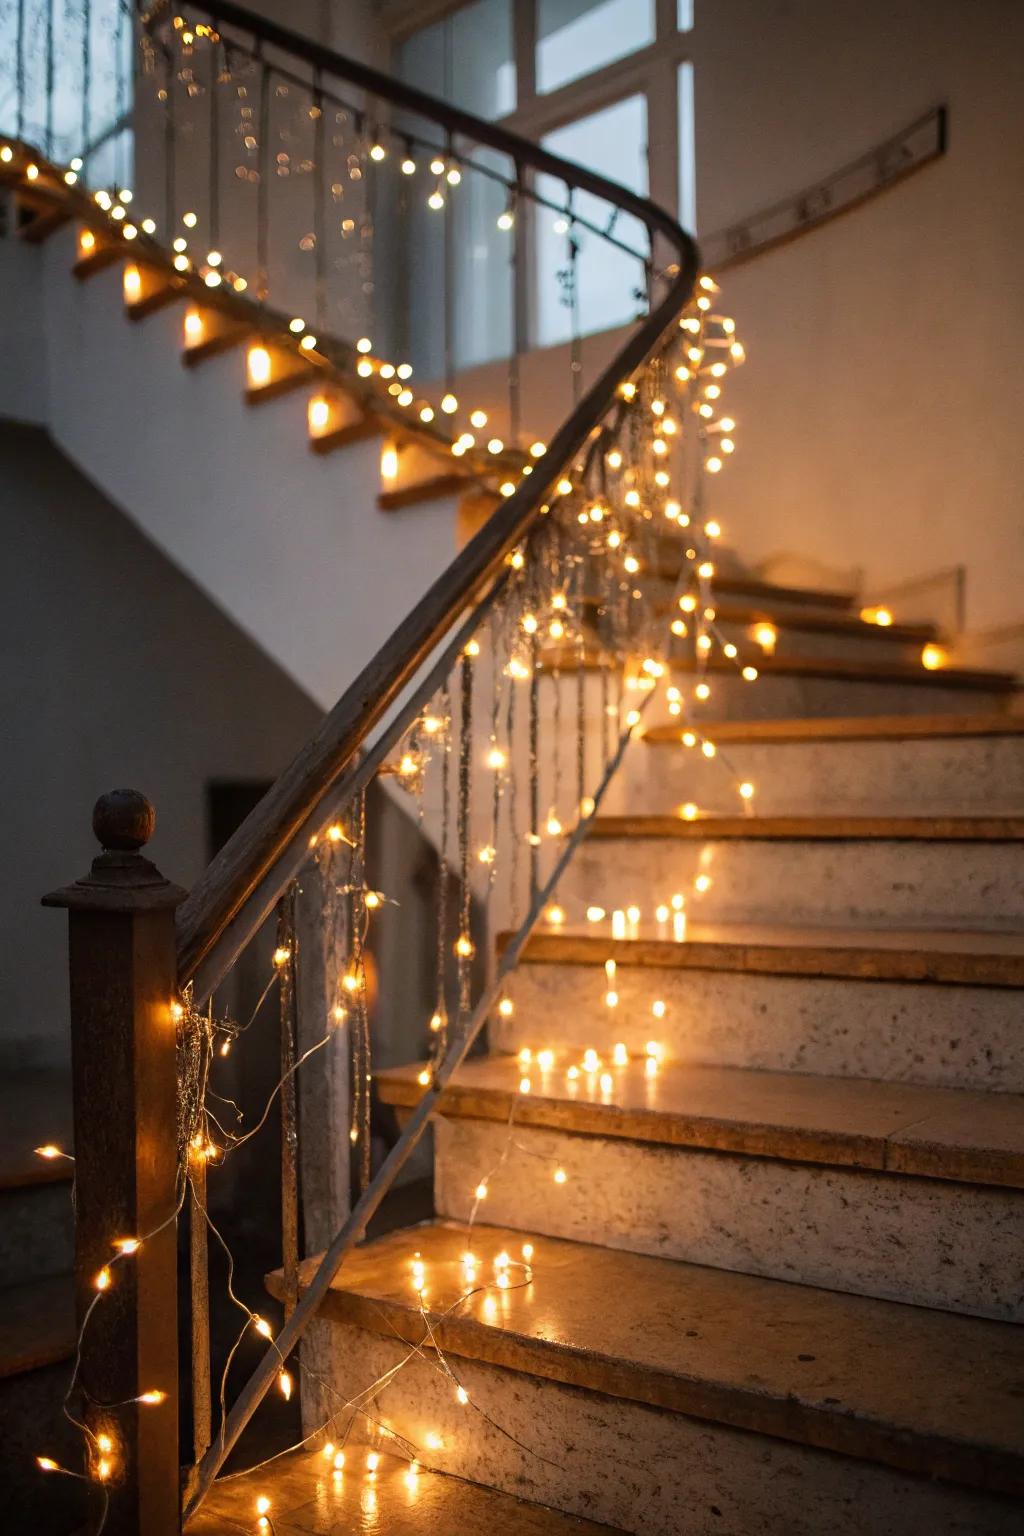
192, 356
846, 625
848, 962
823, 828
958, 1135
842, 728
285, 384
432, 489
767, 591
837, 670
842, 1373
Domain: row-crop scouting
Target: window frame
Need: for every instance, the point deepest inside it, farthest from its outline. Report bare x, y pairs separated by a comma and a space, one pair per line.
651, 72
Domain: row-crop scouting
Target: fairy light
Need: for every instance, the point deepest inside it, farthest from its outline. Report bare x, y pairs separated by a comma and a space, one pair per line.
506, 1007
934, 657
258, 363
560, 1175
286, 1385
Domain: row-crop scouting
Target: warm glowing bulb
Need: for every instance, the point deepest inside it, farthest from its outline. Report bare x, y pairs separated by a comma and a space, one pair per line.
132, 283
749, 674
103, 1279
560, 1175
127, 1245
933, 657
284, 1381
49, 1151
555, 915
262, 1326
319, 414
481, 1192
259, 365
506, 1008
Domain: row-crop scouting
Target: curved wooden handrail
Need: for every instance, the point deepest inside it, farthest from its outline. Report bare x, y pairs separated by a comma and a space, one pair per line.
237, 878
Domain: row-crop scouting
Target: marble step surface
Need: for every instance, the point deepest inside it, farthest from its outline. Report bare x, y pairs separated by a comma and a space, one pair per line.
923, 765
307, 1495
670, 1397
926, 871
934, 1008
905, 1192
805, 687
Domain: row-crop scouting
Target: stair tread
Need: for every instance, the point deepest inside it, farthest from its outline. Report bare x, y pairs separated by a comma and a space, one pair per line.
35, 1108
931, 1392
767, 591
305, 1496
983, 829
958, 957
846, 728
37, 1324
847, 624
833, 668
951, 1133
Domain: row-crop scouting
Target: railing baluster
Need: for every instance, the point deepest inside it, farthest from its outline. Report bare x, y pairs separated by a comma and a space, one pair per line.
287, 945
49, 78
199, 1274
19, 68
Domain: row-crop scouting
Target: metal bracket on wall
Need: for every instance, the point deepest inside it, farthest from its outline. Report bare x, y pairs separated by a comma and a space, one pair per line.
921, 142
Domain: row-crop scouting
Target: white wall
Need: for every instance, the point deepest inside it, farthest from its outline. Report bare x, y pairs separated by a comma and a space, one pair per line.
879, 412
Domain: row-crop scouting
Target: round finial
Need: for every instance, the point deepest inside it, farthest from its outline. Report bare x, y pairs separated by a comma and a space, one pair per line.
123, 820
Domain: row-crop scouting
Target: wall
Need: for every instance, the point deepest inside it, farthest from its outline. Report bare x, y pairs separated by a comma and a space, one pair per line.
118, 670
879, 415
878, 412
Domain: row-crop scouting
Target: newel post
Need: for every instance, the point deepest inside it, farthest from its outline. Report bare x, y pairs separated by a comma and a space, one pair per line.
123, 1043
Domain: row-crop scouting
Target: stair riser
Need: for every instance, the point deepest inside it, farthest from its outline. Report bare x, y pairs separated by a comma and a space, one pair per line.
781, 698
917, 1240
866, 645
37, 1233
973, 775
865, 883
641, 1469
946, 1036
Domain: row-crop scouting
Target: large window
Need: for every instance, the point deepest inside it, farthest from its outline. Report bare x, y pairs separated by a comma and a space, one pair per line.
607, 84
66, 81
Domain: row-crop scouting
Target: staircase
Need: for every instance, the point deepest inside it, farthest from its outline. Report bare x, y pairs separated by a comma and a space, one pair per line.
748, 1254
729, 1211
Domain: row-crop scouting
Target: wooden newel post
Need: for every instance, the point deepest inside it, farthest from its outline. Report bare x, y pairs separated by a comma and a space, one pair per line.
124, 1020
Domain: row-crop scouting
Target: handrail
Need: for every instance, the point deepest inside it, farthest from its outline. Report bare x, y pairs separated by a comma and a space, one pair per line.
238, 888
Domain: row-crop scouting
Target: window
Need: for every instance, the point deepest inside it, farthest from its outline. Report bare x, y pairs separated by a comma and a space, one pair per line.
64, 123
466, 57
609, 85
614, 142
577, 37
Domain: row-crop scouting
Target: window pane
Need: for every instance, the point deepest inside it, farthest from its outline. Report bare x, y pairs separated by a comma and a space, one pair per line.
613, 142
575, 37
687, 152
466, 58
684, 15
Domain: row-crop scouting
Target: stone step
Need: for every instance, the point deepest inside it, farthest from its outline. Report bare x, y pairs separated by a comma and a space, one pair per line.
36, 1215
303, 1488
828, 686
926, 764
905, 1192
926, 871
815, 688
666, 1397
802, 631
941, 1009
